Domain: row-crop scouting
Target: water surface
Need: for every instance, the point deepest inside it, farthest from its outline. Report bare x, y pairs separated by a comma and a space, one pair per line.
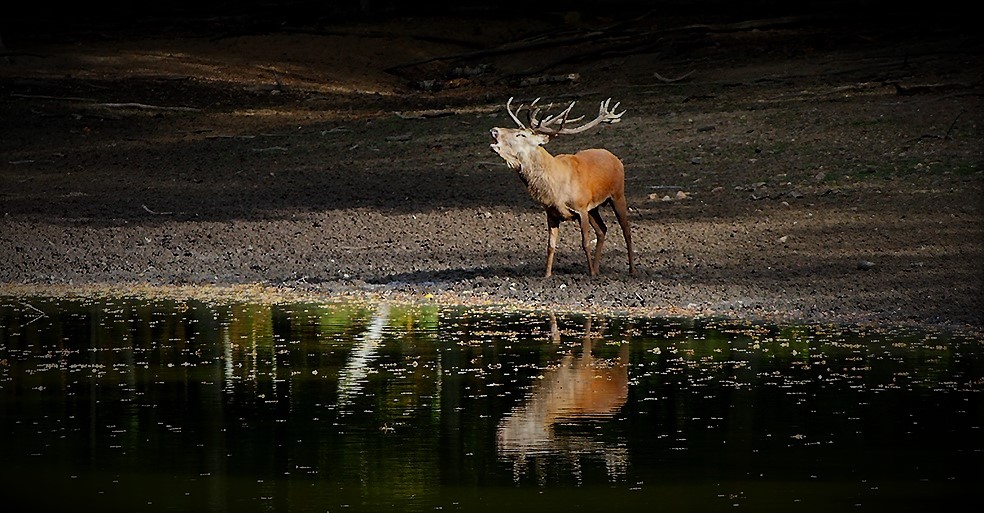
138, 405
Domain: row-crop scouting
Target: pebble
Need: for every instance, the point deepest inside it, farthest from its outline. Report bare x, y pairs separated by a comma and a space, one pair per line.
865, 265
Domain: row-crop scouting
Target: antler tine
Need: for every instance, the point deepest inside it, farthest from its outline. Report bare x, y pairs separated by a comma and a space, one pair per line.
611, 112
566, 113
513, 114
553, 121
561, 116
533, 114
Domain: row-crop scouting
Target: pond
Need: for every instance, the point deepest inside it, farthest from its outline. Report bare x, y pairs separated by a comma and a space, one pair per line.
123, 404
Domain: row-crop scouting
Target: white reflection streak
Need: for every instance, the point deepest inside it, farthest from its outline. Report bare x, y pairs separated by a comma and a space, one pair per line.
230, 376
352, 377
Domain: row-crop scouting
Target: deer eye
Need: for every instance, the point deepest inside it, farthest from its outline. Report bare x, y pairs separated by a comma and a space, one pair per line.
520, 134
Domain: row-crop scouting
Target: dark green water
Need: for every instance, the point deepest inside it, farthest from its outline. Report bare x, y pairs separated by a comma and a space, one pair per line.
134, 405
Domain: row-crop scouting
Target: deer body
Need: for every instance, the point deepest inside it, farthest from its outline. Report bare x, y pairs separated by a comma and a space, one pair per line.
568, 186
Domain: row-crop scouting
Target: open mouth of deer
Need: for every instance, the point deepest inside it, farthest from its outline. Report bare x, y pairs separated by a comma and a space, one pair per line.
495, 140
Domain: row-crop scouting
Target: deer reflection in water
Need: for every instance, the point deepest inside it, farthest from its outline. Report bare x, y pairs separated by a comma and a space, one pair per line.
579, 389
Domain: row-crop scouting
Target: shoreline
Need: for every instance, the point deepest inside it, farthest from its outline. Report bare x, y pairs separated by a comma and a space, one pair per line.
265, 294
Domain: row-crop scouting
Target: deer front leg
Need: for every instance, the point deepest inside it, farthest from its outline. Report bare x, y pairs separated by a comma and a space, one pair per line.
553, 227
584, 219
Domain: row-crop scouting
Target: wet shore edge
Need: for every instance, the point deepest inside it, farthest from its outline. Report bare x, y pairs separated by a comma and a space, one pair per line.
272, 294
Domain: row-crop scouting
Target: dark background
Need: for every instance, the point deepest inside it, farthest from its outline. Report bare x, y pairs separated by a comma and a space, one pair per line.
50, 20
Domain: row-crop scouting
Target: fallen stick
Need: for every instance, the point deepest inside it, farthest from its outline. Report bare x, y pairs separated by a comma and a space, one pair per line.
47, 97
34, 308
156, 213
661, 78
128, 105
144, 106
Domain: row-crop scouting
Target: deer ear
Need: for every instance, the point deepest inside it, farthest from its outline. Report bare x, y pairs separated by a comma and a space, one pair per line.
541, 139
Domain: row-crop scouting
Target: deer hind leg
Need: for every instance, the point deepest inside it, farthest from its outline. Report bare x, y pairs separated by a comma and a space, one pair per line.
584, 219
622, 214
600, 230
553, 225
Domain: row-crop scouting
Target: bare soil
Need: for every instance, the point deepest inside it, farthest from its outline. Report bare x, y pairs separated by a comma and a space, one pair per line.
797, 170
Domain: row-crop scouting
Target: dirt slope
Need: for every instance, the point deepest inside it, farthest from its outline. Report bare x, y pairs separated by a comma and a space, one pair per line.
799, 169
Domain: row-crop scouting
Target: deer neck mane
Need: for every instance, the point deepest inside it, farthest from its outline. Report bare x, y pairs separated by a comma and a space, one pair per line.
535, 171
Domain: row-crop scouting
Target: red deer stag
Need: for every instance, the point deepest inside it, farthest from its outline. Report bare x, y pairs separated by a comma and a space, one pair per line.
568, 186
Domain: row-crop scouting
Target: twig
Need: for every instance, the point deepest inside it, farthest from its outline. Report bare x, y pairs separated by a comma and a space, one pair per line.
40, 314
47, 97
661, 78
144, 106
950, 128
437, 113
943, 137
104, 105
550, 79
156, 213
911, 90
36, 309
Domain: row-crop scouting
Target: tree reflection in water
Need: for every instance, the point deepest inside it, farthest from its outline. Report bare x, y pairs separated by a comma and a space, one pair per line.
352, 377
578, 390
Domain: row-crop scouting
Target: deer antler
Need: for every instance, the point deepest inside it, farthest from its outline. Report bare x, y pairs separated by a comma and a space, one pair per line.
606, 114
555, 124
